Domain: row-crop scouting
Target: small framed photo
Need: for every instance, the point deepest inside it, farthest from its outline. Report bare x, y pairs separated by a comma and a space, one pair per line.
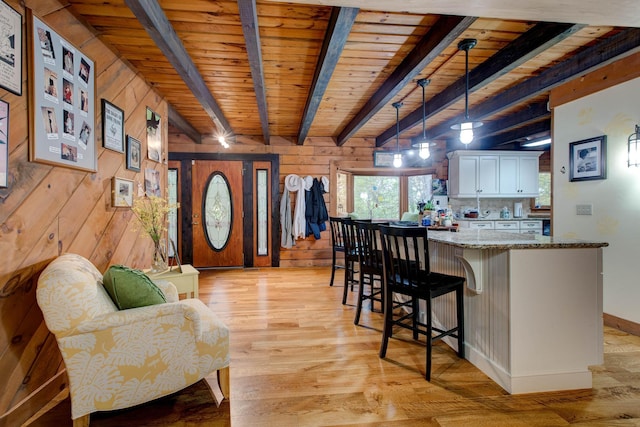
383, 159
4, 143
152, 182
588, 159
154, 136
133, 153
112, 127
121, 192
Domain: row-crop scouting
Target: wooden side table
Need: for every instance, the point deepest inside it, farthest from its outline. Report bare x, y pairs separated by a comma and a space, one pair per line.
186, 282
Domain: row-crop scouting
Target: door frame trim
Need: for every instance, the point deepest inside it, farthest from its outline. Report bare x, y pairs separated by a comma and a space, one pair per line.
186, 158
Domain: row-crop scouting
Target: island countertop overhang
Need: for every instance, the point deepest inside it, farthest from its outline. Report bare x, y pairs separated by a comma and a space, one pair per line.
491, 239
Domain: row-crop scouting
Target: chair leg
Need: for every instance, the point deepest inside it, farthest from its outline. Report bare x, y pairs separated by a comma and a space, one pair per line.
388, 324
356, 320
333, 267
429, 341
460, 318
218, 384
83, 421
415, 308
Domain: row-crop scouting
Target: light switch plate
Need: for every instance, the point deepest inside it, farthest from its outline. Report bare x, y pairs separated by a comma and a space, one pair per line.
584, 209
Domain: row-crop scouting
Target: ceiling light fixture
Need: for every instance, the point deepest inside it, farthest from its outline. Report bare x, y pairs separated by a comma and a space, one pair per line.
423, 143
536, 142
633, 144
397, 158
467, 126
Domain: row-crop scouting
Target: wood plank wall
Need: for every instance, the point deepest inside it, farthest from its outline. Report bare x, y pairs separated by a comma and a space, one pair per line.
314, 158
46, 211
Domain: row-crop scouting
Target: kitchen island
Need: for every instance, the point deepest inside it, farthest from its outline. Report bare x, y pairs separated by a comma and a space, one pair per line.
533, 306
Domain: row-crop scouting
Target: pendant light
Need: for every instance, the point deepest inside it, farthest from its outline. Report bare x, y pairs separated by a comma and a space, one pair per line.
397, 158
467, 126
423, 145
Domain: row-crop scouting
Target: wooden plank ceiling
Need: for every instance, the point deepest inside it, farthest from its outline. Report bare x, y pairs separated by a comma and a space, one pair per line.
272, 69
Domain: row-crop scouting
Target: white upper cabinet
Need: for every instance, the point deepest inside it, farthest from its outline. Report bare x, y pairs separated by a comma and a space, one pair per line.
493, 174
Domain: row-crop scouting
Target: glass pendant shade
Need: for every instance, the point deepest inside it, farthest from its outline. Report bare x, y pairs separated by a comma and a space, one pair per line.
423, 145
466, 132
397, 160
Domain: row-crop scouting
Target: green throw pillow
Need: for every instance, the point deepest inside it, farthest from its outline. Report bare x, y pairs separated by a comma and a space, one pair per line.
129, 288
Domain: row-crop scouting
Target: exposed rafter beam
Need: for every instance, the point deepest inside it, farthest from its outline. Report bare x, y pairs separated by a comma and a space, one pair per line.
249, 19
437, 39
155, 22
338, 30
595, 56
498, 141
537, 39
180, 123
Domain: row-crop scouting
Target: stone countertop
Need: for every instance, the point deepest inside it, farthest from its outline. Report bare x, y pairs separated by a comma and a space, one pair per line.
503, 219
491, 239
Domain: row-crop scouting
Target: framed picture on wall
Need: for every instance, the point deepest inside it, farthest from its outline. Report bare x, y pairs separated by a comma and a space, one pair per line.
61, 100
10, 49
134, 148
152, 182
121, 192
112, 127
588, 159
154, 136
4, 143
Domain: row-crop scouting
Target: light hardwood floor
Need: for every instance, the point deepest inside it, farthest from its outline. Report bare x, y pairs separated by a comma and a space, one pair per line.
298, 360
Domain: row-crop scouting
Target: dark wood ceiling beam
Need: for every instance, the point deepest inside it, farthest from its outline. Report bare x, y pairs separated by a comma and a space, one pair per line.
595, 56
180, 123
249, 19
338, 29
155, 22
528, 45
437, 39
533, 113
511, 137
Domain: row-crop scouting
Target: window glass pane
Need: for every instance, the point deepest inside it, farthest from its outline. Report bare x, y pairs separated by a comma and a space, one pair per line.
341, 197
172, 180
217, 212
376, 197
263, 219
544, 185
418, 190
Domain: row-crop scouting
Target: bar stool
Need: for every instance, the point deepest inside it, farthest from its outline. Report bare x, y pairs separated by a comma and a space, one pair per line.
337, 244
369, 247
351, 257
408, 275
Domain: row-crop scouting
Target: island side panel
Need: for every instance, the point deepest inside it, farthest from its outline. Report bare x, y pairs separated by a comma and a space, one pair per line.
556, 318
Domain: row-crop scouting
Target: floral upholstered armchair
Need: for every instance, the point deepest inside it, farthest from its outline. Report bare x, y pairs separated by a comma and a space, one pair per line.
120, 358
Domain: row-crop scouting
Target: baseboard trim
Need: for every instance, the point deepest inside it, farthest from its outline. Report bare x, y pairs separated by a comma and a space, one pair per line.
621, 324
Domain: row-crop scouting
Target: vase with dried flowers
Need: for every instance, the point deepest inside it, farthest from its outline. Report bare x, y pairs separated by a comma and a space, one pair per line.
151, 212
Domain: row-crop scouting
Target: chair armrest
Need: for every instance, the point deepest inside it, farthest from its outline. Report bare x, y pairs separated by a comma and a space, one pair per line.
168, 289
131, 316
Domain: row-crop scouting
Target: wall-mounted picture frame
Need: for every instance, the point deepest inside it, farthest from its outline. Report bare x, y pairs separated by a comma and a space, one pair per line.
4, 143
121, 192
10, 49
112, 127
134, 153
154, 136
61, 100
383, 159
152, 182
588, 159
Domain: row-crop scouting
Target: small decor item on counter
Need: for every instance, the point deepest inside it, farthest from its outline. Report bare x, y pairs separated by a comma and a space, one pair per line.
152, 211
517, 210
505, 213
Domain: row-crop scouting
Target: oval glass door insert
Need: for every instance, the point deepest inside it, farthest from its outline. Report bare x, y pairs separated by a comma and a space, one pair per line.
218, 211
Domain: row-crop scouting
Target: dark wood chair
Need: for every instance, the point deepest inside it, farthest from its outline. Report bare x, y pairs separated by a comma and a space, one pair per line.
351, 258
407, 275
369, 246
337, 244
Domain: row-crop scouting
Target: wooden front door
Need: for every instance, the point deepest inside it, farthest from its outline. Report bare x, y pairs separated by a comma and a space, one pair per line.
217, 214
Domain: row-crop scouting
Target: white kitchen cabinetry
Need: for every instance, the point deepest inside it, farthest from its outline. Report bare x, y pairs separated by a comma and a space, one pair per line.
507, 226
472, 174
493, 174
476, 224
525, 226
519, 175
531, 227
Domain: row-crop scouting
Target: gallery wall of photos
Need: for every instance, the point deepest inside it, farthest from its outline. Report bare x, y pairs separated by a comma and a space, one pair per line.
62, 108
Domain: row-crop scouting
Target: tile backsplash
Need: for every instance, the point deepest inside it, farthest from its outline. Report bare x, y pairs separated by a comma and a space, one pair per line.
494, 206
